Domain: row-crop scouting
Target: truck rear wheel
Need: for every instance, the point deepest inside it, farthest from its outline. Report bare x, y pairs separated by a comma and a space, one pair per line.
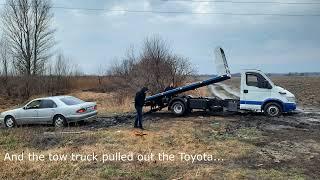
178, 108
272, 109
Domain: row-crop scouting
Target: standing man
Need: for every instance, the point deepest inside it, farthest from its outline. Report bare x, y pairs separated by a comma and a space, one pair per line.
139, 103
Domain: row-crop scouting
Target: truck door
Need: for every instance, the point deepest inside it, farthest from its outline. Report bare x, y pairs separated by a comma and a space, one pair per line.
255, 89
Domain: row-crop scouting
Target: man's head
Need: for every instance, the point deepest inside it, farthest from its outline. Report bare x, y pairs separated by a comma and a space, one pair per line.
144, 89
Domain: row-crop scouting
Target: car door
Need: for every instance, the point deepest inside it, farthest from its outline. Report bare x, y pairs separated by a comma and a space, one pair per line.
46, 111
256, 90
29, 113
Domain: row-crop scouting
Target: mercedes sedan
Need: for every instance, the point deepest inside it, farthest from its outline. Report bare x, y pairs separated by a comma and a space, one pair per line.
57, 110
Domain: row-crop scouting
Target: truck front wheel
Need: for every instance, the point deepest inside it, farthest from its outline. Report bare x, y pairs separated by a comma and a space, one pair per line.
178, 108
272, 109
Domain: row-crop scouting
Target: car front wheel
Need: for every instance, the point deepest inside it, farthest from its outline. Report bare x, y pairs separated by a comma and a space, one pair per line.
59, 121
10, 122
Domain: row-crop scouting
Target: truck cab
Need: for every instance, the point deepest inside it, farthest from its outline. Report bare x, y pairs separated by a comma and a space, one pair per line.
259, 93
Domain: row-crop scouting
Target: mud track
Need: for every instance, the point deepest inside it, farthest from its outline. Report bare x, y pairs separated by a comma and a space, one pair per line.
299, 120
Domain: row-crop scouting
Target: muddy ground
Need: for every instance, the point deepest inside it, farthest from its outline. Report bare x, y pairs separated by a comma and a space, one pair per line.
282, 147
287, 142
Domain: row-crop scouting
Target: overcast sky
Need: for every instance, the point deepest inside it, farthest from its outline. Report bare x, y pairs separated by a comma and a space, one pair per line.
270, 43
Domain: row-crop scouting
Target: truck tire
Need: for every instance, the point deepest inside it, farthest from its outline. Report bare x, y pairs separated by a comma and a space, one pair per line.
272, 109
178, 108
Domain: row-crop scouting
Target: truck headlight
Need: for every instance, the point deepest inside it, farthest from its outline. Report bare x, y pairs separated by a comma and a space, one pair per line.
291, 99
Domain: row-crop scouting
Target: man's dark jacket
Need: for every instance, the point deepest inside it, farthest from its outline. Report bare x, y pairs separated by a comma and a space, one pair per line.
140, 97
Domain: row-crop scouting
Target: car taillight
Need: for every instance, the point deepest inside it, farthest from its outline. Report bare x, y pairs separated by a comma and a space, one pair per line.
81, 110
95, 107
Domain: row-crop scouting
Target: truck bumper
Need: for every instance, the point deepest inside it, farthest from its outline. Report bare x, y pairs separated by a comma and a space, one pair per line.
288, 107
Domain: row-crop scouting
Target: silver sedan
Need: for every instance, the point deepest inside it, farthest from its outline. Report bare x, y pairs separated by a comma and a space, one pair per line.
57, 110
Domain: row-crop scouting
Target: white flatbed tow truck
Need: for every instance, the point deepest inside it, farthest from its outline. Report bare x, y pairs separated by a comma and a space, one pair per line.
257, 93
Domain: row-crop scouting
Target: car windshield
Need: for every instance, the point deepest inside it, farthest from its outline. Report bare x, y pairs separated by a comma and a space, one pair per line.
71, 101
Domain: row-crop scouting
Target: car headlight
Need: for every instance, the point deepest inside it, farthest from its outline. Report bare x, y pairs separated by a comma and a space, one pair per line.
291, 99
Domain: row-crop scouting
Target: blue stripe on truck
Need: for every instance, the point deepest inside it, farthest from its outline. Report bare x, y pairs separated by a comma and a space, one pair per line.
252, 102
287, 107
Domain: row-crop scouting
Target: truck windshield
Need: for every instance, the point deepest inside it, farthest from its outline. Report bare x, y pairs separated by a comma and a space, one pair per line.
71, 101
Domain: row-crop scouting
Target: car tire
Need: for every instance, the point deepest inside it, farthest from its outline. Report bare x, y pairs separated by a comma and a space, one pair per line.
10, 122
272, 109
178, 108
59, 121
81, 123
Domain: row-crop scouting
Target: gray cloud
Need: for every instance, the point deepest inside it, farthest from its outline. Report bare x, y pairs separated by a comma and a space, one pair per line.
270, 43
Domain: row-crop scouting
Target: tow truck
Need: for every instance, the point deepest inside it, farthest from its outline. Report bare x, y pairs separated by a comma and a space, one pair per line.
257, 93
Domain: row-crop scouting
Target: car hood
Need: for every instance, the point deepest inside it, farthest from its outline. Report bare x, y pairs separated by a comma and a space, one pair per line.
284, 91
13, 111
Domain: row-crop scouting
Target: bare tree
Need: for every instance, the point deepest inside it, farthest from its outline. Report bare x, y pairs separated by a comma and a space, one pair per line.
101, 72
179, 69
5, 62
4, 57
61, 67
27, 26
75, 70
160, 67
124, 71
156, 67
62, 72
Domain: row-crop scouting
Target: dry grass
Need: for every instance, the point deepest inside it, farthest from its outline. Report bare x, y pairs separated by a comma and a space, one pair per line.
203, 92
162, 136
108, 103
306, 89
7, 103
192, 135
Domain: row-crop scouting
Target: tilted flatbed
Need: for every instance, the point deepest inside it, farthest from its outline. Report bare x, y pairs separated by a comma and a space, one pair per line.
189, 87
182, 104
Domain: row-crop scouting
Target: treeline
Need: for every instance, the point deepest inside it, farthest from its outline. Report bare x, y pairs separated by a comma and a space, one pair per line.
303, 74
57, 78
